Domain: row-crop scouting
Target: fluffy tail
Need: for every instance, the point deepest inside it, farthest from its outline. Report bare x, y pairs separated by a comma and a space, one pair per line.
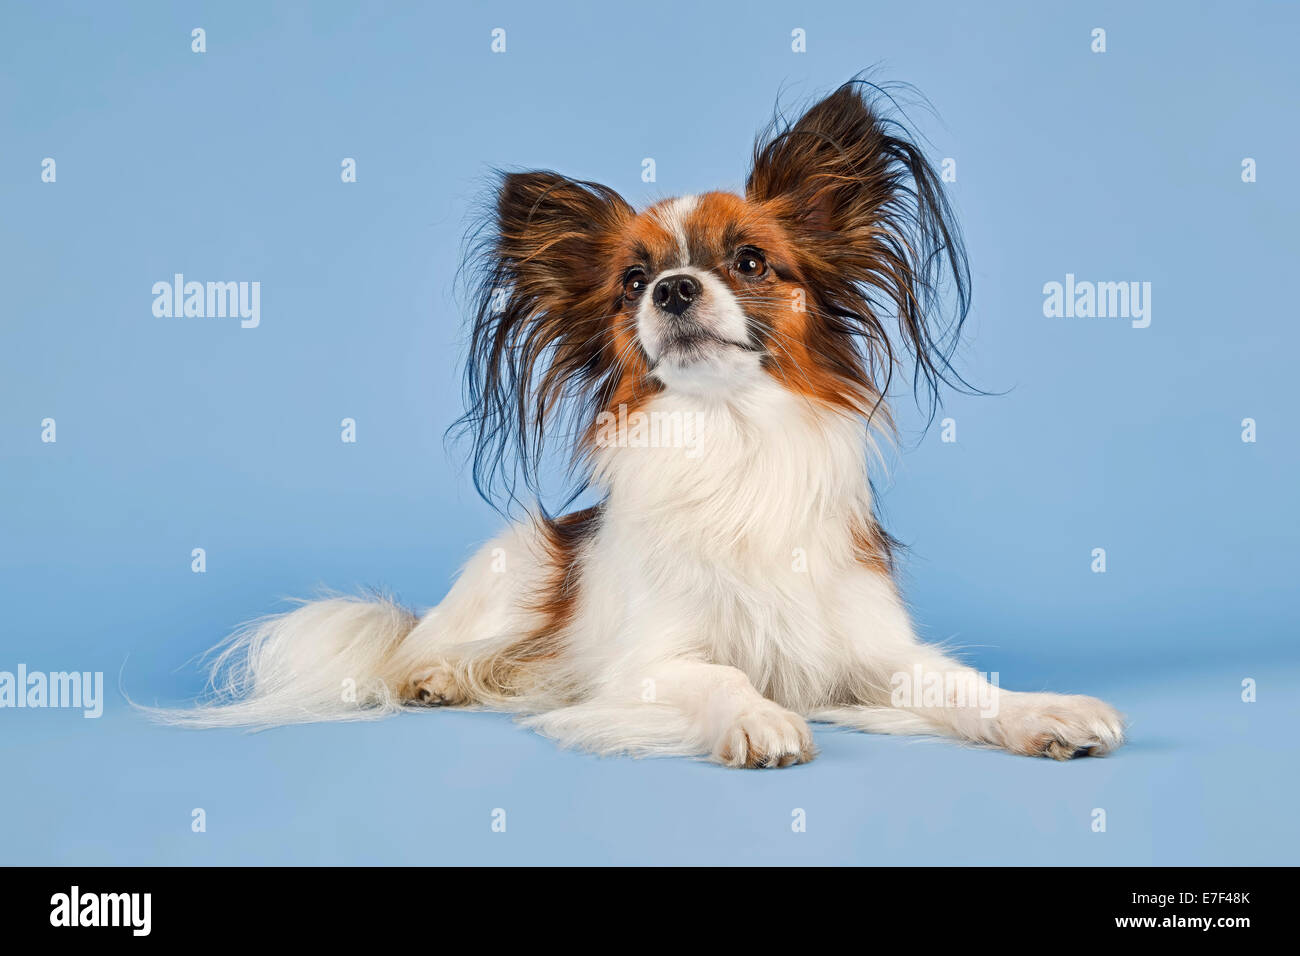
327, 660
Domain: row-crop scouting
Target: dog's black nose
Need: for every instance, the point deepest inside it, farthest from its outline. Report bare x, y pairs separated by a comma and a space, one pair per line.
674, 294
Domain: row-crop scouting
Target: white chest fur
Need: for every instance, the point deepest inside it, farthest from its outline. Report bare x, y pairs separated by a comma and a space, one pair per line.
733, 543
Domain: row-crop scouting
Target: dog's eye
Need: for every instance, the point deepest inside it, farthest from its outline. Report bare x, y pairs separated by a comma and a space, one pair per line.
750, 263
634, 283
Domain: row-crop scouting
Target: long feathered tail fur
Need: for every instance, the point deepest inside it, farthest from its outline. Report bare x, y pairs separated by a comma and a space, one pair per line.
331, 659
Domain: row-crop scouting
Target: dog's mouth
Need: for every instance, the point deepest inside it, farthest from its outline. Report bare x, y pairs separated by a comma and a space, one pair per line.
686, 344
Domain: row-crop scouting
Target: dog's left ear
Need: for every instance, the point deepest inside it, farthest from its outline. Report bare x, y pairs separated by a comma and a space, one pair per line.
822, 173
839, 168
871, 222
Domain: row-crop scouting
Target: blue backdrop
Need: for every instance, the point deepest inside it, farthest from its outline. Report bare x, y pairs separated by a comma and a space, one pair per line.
172, 434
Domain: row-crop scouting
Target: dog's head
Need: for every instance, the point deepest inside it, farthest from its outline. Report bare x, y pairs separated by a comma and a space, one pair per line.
586, 304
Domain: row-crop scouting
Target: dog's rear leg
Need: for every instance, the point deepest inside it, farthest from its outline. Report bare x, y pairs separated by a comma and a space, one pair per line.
448, 658
436, 686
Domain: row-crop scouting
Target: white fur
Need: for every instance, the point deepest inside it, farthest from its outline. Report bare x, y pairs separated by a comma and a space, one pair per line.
712, 372
672, 215
720, 605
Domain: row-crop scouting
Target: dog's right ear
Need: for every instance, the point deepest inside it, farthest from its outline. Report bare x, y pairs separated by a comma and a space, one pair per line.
551, 231
541, 338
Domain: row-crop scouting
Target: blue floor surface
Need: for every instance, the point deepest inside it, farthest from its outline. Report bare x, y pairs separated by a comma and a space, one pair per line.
1205, 780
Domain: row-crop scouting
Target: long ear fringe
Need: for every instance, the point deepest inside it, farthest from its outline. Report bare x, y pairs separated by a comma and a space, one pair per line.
526, 386
909, 261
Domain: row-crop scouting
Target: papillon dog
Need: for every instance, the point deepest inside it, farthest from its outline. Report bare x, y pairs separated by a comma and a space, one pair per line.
718, 366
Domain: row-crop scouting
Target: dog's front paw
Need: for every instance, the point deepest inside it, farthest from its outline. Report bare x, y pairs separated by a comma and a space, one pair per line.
1059, 726
765, 735
435, 687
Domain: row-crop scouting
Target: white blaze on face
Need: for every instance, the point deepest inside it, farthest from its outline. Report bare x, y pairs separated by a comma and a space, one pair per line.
716, 312
673, 215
